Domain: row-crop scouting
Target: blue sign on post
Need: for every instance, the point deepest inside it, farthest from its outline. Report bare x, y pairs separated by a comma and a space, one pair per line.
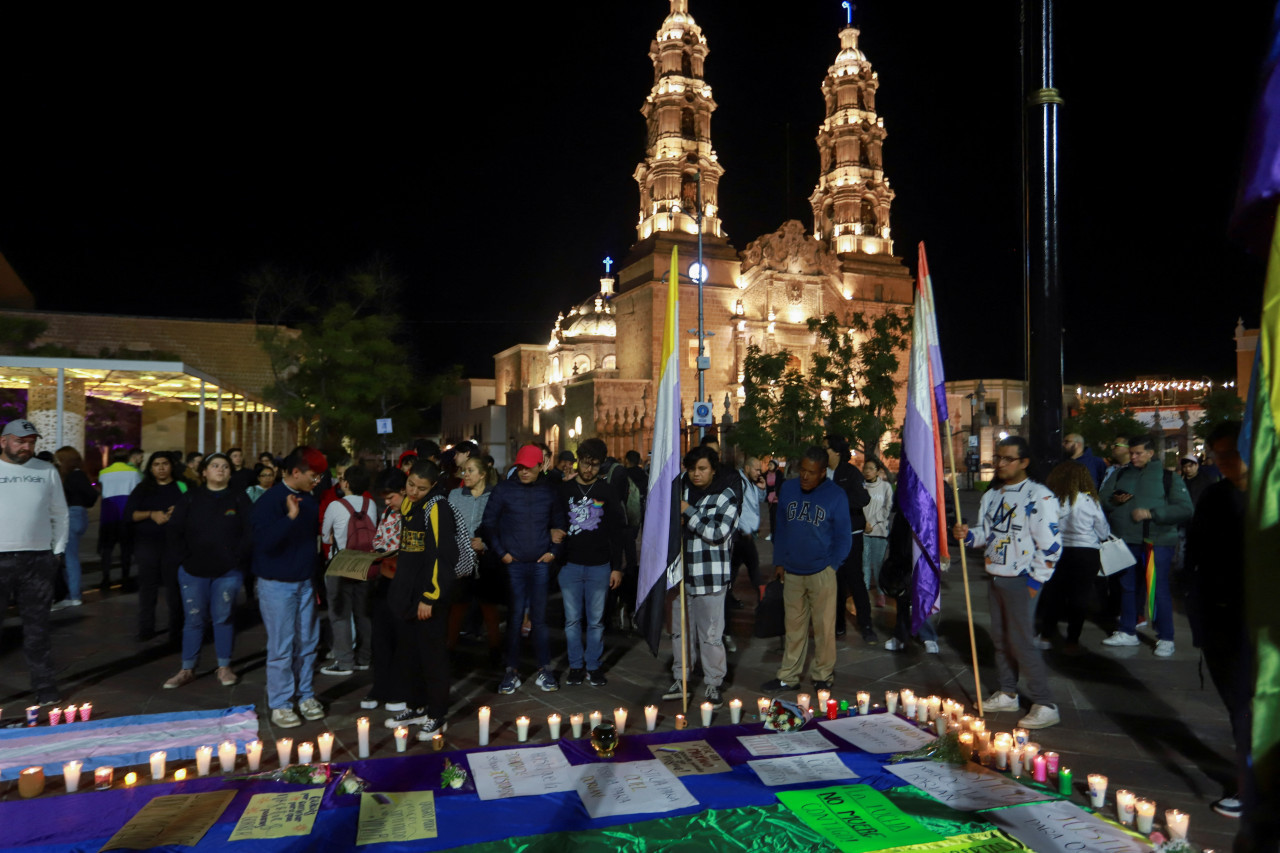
384, 426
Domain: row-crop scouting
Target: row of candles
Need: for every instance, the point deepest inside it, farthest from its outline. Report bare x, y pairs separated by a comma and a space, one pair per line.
58, 715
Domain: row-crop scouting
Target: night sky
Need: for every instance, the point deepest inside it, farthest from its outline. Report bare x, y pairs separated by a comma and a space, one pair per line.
150, 163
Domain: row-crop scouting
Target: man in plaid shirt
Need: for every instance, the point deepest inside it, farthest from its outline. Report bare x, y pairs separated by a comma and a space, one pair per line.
709, 511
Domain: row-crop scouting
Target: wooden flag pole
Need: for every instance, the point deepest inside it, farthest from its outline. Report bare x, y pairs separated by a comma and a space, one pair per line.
684, 638
964, 567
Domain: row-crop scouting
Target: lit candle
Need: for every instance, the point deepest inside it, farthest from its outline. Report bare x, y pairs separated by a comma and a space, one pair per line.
522, 730
553, 725
103, 777
823, 696
1020, 737
33, 715
935, 706
362, 732
802, 699
1039, 770
31, 782
1030, 752
1064, 781
1051, 761
575, 722
620, 719
1097, 790
922, 710
908, 702
204, 755
1146, 814
157, 765
69, 715
437, 742
1004, 743
85, 711
71, 775
983, 741
966, 745
966, 723
180, 775
227, 756
706, 713
402, 740
485, 713
1124, 806
833, 709
762, 704
735, 711
596, 718
651, 717
941, 725
1016, 762
891, 701
284, 751
977, 725
1176, 822
681, 722
55, 716
253, 752
864, 702
307, 751
130, 779
324, 740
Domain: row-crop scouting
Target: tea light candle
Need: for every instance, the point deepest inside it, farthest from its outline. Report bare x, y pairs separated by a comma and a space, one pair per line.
891, 701
681, 722
253, 753
484, 714
307, 750
103, 777
522, 730
596, 718
402, 739
735, 711
180, 775
1176, 822
1124, 806
802, 699
1040, 769
31, 782
85, 711
864, 702
1097, 790
157, 764
71, 775
1064, 781
130, 779
553, 726
55, 716
1029, 753
620, 719
1051, 761
706, 713
823, 696
284, 751
762, 706
1020, 737
362, 732
1016, 762
227, 756
1146, 815
650, 717
437, 742
204, 755
575, 722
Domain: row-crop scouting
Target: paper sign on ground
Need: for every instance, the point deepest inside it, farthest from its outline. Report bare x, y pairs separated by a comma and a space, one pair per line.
175, 819
856, 818
633, 787
1062, 826
794, 769
965, 787
991, 841
786, 743
879, 733
689, 758
405, 816
525, 772
287, 815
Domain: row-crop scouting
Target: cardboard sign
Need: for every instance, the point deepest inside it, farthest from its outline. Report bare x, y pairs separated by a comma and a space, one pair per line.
965, 787
991, 841
856, 818
525, 772
175, 819
879, 733
632, 787
1063, 826
356, 565
794, 769
286, 815
406, 816
689, 758
785, 743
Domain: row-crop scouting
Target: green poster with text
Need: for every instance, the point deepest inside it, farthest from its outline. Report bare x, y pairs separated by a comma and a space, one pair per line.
856, 818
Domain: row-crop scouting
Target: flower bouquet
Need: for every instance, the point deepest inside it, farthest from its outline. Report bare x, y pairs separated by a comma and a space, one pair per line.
453, 776
945, 749
294, 774
784, 717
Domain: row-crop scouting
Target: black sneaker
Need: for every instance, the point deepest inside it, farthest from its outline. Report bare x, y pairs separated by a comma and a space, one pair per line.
1228, 807
674, 691
777, 685
869, 635
712, 694
432, 727
596, 678
575, 677
408, 717
819, 684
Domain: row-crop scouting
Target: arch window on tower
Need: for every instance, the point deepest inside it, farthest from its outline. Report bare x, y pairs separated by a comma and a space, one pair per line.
868, 216
686, 64
689, 192
864, 153
688, 124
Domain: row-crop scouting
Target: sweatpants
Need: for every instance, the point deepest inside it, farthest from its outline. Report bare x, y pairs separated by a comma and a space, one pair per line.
1013, 633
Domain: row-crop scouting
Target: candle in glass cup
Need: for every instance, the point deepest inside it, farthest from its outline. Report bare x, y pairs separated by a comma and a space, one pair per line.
1029, 753
1051, 760
103, 777
681, 722
596, 718
1016, 762
935, 706
362, 732
402, 738
55, 716
307, 750
735, 711
1064, 781
1040, 769
484, 715
253, 754
33, 715
823, 696
130, 779
1020, 737
762, 705
922, 710
706, 713
620, 719
324, 741
522, 729
553, 726
908, 700
966, 723
31, 782
1176, 822
157, 764
833, 709
1003, 743
977, 725
650, 717
891, 701
85, 711
966, 745
437, 742
575, 722
802, 699
1097, 790
204, 756
1124, 806
864, 702
284, 750
180, 775
1146, 814
227, 756
941, 725
71, 775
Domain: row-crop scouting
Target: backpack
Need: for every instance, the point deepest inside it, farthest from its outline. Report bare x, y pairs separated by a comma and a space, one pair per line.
627, 492
360, 528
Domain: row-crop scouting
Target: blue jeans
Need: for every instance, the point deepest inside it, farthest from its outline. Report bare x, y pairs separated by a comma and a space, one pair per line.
528, 589
217, 597
289, 614
79, 518
584, 589
1164, 598
874, 549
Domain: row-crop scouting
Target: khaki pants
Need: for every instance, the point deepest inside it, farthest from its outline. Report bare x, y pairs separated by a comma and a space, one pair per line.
808, 598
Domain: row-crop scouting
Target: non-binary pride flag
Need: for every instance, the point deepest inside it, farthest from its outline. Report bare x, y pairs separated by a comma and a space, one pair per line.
661, 539
920, 476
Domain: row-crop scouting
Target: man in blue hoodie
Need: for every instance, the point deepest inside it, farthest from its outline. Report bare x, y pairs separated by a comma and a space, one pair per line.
812, 539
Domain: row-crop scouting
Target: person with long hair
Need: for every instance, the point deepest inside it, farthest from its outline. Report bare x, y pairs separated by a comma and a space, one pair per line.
488, 587
80, 495
879, 513
389, 486
772, 482
1084, 528
149, 509
264, 478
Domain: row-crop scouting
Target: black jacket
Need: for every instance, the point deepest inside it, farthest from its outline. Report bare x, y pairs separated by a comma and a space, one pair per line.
428, 557
211, 533
854, 484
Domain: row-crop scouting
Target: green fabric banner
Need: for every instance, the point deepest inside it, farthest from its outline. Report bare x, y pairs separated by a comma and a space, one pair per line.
856, 818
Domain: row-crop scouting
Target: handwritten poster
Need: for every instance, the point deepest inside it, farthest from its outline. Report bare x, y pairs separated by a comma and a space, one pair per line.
785, 743
1063, 826
406, 816
794, 769
175, 819
632, 787
287, 815
689, 758
991, 841
879, 733
527, 772
856, 818
965, 787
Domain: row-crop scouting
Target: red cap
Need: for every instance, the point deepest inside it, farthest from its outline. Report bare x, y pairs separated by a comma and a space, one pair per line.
530, 456
316, 460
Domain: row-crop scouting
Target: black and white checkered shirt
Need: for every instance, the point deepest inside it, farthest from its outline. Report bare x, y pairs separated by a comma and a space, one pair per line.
709, 525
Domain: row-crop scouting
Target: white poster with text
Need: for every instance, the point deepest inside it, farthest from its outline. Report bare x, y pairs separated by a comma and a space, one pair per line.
530, 772
632, 787
879, 733
965, 787
1060, 826
794, 769
786, 743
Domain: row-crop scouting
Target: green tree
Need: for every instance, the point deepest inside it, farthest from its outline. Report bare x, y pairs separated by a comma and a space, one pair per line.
1220, 404
782, 412
1102, 421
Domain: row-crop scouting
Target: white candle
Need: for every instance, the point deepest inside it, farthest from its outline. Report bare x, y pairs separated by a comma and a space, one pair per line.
763, 705
735, 711
922, 710
596, 718
864, 702
204, 756
977, 725
1146, 815
802, 699
1004, 743
1097, 790
620, 719
966, 723
253, 753
935, 706
71, 775
227, 756
306, 751
1016, 759
575, 722
325, 741
650, 717
891, 701
908, 704
485, 713
941, 725
1124, 806
1020, 737
402, 738
553, 725
823, 696
157, 765
706, 713
1176, 822
983, 740
362, 732
1029, 753
522, 729
284, 751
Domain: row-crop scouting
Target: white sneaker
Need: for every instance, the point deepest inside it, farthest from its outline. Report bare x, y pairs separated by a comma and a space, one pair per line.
893, 644
285, 718
311, 709
1120, 638
1001, 701
1041, 717
931, 647
1164, 648
395, 707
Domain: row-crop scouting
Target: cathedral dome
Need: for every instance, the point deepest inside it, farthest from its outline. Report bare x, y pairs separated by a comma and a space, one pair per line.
592, 319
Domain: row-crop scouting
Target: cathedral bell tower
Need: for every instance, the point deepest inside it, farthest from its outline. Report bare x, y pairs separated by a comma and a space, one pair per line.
851, 201
678, 114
